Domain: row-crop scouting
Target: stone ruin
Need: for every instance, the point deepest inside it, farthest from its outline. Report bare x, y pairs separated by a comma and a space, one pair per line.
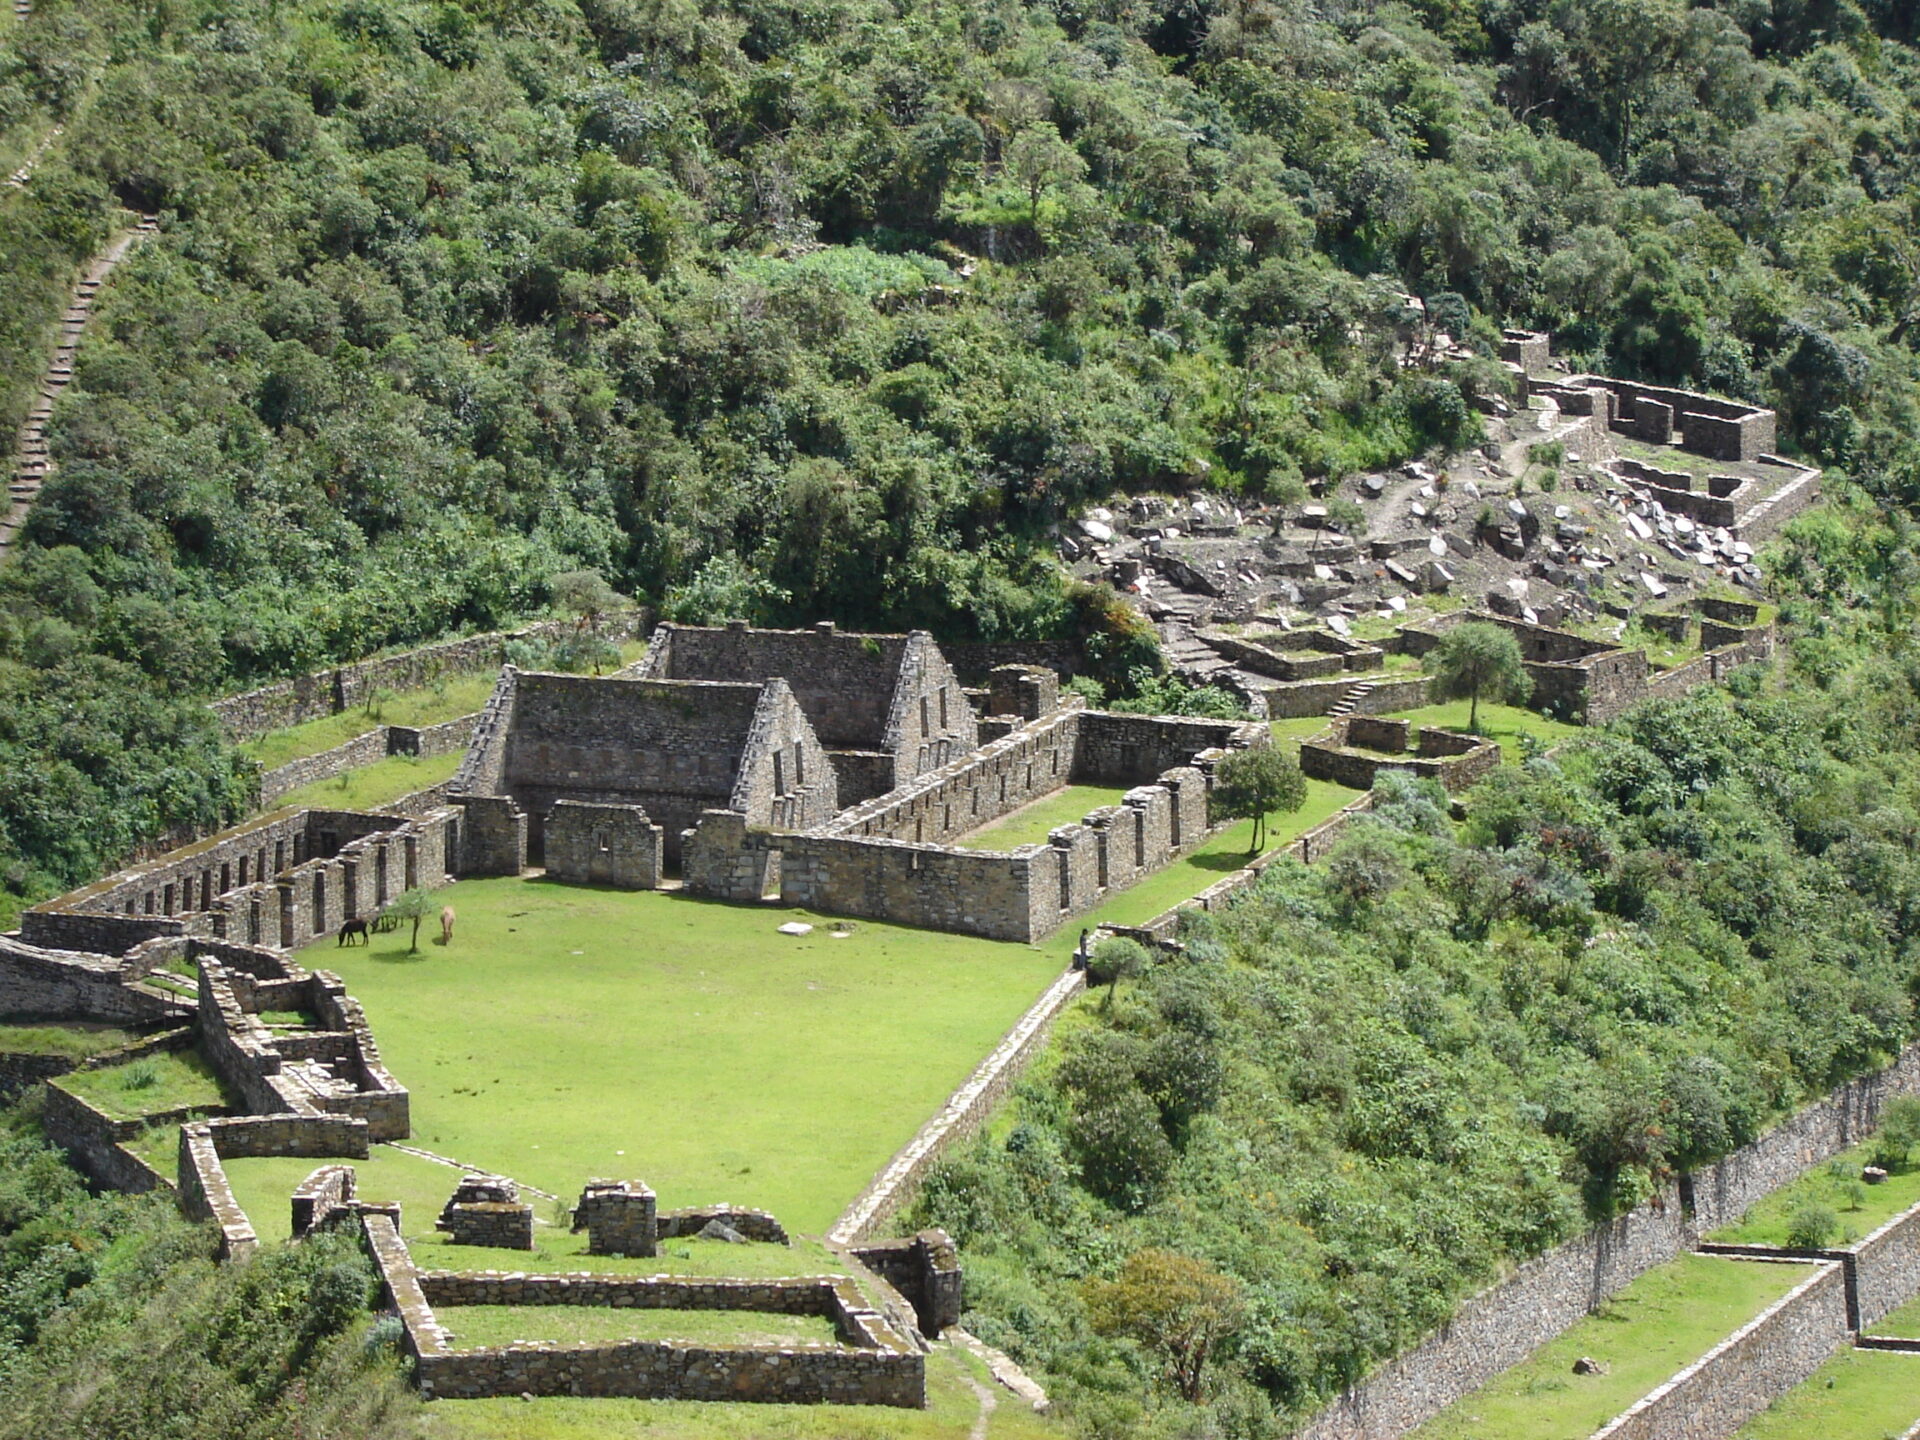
487, 1210
621, 1218
832, 770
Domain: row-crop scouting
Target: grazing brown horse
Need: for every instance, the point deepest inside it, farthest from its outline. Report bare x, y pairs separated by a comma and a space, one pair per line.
446, 924
353, 928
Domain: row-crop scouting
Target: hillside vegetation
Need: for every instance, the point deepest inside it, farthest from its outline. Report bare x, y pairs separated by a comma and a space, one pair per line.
794, 310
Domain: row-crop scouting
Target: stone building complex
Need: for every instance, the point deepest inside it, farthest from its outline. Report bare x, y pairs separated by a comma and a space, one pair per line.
832, 770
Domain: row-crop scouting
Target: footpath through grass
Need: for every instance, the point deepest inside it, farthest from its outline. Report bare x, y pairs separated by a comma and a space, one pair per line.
380, 783
1860, 1208
1666, 1319
570, 1033
1857, 1395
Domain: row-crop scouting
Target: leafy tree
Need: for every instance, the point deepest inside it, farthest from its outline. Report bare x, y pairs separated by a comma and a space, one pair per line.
1174, 1304
415, 905
1040, 160
1480, 661
585, 595
1898, 1134
1257, 782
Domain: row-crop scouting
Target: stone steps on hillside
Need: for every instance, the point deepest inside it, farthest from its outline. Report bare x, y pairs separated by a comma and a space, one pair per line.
1349, 701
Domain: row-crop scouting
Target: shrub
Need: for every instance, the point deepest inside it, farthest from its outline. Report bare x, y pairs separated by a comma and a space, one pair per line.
1899, 1132
140, 1075
1812, 1227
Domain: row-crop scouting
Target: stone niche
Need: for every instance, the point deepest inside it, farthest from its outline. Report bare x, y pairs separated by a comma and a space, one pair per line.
610, 845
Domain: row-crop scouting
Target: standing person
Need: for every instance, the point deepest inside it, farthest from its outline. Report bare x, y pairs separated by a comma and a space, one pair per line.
1080, 952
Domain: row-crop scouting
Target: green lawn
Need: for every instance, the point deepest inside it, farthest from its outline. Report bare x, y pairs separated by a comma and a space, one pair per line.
459, 695
1857, 1395
1665, 1320
954, 1381
1218, 858
1861, 1208
1903, 1324
1504, 723
149, 1085
571, 1033
74, 1041
476, 1326
1029, 824
380, 783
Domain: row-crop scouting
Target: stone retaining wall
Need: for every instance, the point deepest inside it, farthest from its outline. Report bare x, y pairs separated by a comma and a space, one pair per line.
925, 1269
1502, 1325
756, 1225
331, 691
1302, 698
1885, 1273
965, 1111
205, 1193
91, 1139
21, 1071
1749, 1370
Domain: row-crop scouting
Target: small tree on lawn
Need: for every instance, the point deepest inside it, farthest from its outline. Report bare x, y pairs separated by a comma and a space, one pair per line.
414, 905
586, 596
1480, 661
1172, 1303
1253, 784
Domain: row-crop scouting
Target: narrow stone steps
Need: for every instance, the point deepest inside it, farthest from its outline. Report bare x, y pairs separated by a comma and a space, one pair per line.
1347, 703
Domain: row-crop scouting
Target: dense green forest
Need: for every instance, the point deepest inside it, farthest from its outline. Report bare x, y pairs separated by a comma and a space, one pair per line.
833, 308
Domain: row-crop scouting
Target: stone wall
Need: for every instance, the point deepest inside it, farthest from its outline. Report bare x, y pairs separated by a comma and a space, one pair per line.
1115, 749
1722, 1192
331, 691
93, 1140
759, 1226
320, 1194
860, 692
41, 984
1503, 1324
1498, 1328
875, 1365
493, 835
925, 1269
974, 790
1302, 698
786, 780
1886, 1269
205, 1193
1747, 1371
619, 1216
491, 1225
612, 845
366, 749
965, 1111
1710, 425
1355, 749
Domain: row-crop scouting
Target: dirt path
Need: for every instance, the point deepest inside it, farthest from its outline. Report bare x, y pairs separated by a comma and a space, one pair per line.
31, 465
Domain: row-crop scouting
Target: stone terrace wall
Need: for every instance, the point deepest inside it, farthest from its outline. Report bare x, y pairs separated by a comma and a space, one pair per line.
92, 1141
37, 984
367, 749
960, 1118
328, 692
973, 791
1133, 749
970, 892
1722, 1192
1886, 1269
1301, 698
205, 1193
1749, 1370
1500, 1326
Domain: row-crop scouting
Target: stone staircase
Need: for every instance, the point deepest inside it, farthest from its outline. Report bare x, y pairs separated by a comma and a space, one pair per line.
32, 464
1350, 701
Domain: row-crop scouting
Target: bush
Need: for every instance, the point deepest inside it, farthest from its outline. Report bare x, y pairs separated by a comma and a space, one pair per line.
1812, 1227
1899, 1132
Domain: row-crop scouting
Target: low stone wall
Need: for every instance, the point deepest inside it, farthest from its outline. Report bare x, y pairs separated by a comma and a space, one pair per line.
206, 1195
1302, 698
91, 1140
331, 691
1500, 1326
320, 1194
315, 1137
491, 1226
877, 1365
21, 1071
960, 1118
1456, 761
756, 1225
925, 1269
823, 1295
1747, 1371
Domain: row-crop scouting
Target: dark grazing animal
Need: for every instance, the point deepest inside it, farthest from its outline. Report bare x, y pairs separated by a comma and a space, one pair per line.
353, 928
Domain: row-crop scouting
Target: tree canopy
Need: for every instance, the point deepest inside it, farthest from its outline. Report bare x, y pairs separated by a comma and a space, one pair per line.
1479, 661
